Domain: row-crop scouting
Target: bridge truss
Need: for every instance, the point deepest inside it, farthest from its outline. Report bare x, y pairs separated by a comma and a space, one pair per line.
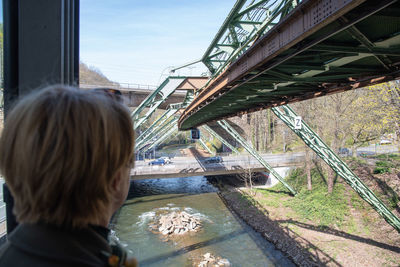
270, 53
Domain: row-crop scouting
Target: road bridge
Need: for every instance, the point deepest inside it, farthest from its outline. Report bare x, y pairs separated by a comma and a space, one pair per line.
135, 94
197, 166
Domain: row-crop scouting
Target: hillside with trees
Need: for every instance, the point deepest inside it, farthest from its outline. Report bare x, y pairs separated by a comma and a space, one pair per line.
92, 76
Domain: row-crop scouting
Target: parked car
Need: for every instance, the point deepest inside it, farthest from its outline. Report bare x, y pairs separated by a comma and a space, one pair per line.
345, 152
216, 159
158, 161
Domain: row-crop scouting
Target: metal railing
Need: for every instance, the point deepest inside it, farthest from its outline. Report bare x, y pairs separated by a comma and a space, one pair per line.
121, 86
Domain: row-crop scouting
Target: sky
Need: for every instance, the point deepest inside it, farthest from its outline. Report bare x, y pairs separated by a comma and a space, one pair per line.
138, 41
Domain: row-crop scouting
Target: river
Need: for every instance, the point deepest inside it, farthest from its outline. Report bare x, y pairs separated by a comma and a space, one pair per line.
222, 234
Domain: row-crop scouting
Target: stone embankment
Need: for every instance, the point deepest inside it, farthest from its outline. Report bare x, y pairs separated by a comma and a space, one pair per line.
269, 229
178, 223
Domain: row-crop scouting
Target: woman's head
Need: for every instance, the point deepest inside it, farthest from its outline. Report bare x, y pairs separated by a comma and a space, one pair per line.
60, 152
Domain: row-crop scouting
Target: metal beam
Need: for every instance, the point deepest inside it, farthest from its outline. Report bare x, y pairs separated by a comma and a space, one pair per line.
162, 138
203, 144
225, 125
156, 134
356, 49
287, 115
258, 59
359, 36
155, 99
220, 138
163, 118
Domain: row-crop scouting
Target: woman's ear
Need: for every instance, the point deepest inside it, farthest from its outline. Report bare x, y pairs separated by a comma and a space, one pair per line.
116, 182
120, 187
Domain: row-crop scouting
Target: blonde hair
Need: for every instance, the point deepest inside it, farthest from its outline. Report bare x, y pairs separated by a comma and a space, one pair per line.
59, 151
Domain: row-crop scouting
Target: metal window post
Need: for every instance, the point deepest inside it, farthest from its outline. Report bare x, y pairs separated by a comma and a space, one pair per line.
41, 47
224, 124
287, 115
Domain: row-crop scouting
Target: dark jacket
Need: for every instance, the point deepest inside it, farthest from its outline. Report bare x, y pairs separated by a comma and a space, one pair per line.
42, 245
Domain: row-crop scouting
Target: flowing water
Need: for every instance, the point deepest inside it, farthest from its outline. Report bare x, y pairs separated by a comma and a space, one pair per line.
222, 234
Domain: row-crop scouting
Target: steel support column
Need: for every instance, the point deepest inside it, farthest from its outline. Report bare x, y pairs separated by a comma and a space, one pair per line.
160, 131
156, 125
201, 141
162, 138
226, 143
287, 115
224, 124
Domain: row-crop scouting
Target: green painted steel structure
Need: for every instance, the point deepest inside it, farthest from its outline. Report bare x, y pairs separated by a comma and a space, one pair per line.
270, 53
317, 48
149, 132
287, 115
320, 47
203, 144
155, 99
227, 127
246, 22
156, 134
167, 119
220, 138
173, 128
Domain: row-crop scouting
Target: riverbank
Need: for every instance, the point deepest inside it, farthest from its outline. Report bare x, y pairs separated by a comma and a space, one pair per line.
317, 229
257, 217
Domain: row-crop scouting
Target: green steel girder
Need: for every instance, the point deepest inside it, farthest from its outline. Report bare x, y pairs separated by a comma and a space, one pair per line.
225, 125
226, 143
156, 134
287, 115
164, 137
356, 49
323, 71
247, 20
156, 125
155, 99
201, 141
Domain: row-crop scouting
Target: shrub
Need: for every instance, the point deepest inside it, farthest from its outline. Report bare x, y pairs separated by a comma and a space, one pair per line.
379, 170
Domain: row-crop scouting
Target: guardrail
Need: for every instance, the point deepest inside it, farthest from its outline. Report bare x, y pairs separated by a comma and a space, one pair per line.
120, 86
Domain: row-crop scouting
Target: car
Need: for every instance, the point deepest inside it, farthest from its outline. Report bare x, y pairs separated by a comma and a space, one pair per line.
158, 161
216, 159
166, 159
365, 154
343, 151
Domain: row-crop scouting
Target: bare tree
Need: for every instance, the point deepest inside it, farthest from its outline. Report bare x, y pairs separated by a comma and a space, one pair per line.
247, 176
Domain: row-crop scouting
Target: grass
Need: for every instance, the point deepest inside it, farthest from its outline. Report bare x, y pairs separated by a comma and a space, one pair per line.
318, 206
383, 166
329, 210
394, 156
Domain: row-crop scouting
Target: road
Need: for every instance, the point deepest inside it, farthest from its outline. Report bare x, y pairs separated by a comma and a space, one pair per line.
190, 166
